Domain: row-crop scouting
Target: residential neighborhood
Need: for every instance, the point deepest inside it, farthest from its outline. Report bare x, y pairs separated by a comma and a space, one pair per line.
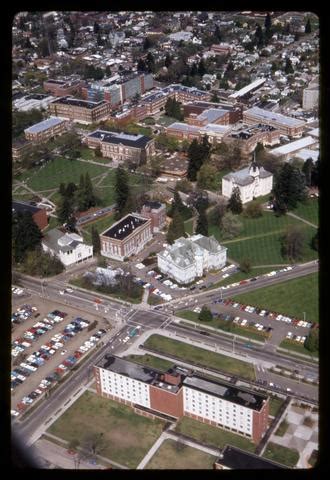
165, 240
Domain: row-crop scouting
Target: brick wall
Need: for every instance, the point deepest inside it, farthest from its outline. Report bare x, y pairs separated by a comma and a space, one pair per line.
41, 219
260, 422
166, 402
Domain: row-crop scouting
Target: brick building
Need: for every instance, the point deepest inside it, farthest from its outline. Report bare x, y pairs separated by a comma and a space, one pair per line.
43, 131
246, 137
180, 392
286, 125
60, 88
39, 215
184, 131
230, 114
126, 237
80, 111
19, 148
156, 211
122, 146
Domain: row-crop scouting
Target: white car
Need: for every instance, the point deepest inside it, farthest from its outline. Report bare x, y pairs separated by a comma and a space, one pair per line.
14, 413
69, 290
61, 292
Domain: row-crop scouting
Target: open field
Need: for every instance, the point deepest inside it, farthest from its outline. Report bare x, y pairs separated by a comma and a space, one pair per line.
151, 361
212, 435
200, 355
127, 436
59, 170
278, 453
100, 225
177, 456
292, 297
308, 210
105, 189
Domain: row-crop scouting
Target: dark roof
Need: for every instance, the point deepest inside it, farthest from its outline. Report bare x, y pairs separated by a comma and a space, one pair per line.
235, 458
124, 227
153, 205
78, 103
227, 391
59, 82
24, 207
128, 139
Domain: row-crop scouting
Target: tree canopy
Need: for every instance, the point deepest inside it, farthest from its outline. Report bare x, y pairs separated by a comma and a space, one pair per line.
289, 188
176, 228
26, 235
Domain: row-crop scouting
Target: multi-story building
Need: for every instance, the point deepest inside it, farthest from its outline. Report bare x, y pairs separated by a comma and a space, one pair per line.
291, 149
19, 148
286, 125
179, 392
234, 112
126, 237
251, 181
43, 131
80, 111
246, 137
233, 458
122, 146
39, 215
189, 258
61, 88
184, 131
221, 49
68, 247
156, 211
36, 101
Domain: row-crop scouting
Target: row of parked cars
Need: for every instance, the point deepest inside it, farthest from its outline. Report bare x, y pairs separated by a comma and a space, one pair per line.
17, 290
265, 313
23, 313
253, 279
55, 376
243, 322
296, 338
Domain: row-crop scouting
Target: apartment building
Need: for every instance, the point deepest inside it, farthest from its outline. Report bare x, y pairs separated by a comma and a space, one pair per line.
122, 146
286, 125
126, 237
181, 392
43, 131
61, 88
80, 111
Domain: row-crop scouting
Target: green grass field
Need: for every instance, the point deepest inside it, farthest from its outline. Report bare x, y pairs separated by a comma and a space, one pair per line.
165, 120
282, 428
308, 210
238, 276
292, 297
58, 171
151, 361
201, 356
278, 453
105, 189
177, 456
127, 436
274, 405
188, 226
212, 435
296, 347
100, 225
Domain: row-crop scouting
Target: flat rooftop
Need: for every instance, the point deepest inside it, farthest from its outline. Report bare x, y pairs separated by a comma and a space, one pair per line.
24, 207
128, 139
124, 227
235, 458
44, 125
136, 371
76, 102
227, 391
266, 115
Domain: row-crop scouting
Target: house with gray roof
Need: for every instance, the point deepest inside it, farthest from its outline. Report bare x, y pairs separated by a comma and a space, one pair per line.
252, 182
68, 247
189, 258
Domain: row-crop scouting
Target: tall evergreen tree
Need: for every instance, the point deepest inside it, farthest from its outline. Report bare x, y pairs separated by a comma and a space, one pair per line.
315, 173
217, 33
193, 70
64, 210
197, 153
96, 28
90, 198
202, 226
168, 60
177, 204
308, 26
259, 36
141, 65
96, 242
201, 67
26, 235
176, 228
289, 188
268, 22
307, 171
71, 188
235, 202
121, 190
150, 61
288, 68
62, 189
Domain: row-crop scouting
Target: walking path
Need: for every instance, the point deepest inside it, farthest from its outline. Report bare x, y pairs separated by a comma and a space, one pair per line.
302, 219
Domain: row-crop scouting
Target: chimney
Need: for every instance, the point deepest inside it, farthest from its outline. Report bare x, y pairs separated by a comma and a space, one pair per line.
172, 379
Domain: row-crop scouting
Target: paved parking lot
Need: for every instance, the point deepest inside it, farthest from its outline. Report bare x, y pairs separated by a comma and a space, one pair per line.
44, 307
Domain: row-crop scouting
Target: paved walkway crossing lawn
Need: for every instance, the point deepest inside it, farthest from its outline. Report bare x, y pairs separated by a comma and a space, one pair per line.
200, 355
212, 435
175, 455
127, 436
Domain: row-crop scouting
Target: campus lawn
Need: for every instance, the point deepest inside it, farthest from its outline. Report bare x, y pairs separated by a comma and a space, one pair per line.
165, 120
127, 436
57, 171
308, 210
274, 405
278, 453
212, 435
238, 276
178, 456
188, 226
86, 153
201, 356
296, 347
291, 298
105, 190
151, 361
100, 225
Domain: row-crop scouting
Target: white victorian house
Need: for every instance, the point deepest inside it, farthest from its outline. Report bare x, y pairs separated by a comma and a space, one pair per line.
189, 258
252, 181
68, 247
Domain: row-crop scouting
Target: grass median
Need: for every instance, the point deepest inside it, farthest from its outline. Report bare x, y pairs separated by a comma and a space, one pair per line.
207, 358
127, 437
278, 453
178, 456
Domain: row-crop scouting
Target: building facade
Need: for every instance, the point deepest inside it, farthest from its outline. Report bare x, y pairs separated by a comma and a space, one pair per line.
60, 88
246, 137
122, 146
180, 392
68, 247
189, 258
252, 182
156, 211
19, 148
126, 237
286, 125
43, 131
80, 111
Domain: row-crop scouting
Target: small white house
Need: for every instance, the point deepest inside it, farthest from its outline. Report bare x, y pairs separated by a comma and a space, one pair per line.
252, 181
189, 258
68, 247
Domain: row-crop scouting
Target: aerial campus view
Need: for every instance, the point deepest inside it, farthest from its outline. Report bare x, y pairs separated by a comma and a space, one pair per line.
165, 199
